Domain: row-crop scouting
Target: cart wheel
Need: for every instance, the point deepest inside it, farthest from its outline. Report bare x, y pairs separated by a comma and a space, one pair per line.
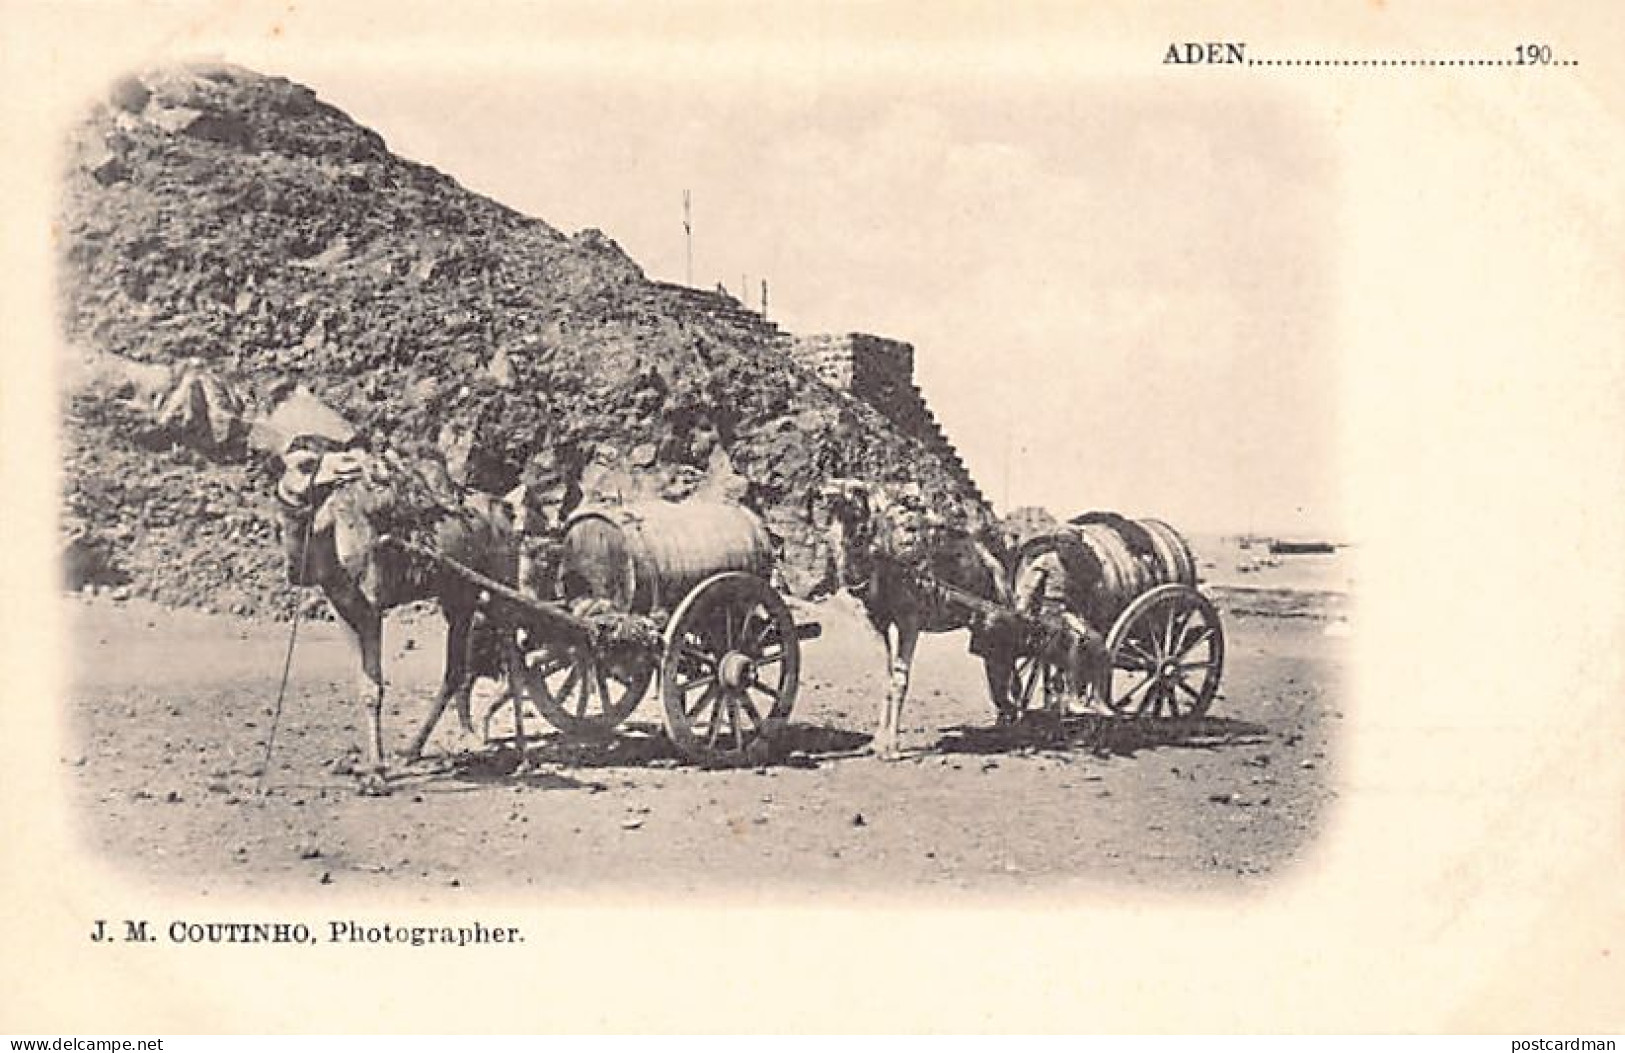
1167, 651
580, 692
728, 678
1036, 684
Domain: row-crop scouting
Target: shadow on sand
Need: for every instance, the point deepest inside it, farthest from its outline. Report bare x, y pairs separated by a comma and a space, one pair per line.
642, 745
468, 772
1104, 735
634, 745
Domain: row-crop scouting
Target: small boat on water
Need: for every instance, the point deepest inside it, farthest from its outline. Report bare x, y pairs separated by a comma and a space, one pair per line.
1302, 548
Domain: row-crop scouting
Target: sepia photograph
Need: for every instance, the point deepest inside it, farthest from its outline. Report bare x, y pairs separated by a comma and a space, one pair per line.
669, 527
1112, 527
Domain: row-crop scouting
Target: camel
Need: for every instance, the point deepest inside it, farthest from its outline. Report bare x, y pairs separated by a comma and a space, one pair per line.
336, 504
890, 558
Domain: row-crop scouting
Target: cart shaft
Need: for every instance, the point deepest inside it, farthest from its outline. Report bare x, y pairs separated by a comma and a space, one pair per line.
503, 603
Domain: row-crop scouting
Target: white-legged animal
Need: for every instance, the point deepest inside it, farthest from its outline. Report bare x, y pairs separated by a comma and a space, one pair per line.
335, 505
886, 551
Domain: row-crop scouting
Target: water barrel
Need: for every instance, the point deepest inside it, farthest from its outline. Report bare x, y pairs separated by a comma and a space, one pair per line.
647, 555
1125, 572
1173, 555
1135, 555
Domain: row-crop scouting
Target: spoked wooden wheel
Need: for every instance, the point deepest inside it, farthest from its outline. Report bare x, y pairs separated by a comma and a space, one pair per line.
580, 692
1036, 685
728, 678
1167, 652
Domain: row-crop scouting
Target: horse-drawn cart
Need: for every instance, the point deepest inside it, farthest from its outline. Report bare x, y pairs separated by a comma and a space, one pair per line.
1165, 644
645, 590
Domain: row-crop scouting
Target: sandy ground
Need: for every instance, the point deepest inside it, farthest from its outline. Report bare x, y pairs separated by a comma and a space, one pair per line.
170, 711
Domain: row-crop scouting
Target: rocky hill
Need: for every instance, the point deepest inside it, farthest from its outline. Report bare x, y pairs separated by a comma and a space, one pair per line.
216, 215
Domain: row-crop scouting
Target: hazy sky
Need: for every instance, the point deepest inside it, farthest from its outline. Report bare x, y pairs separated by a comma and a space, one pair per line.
1118, 291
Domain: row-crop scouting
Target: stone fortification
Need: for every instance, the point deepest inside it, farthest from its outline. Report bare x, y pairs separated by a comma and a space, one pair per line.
881, 373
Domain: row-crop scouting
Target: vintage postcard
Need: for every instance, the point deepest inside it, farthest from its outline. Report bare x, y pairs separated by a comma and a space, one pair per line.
801, 518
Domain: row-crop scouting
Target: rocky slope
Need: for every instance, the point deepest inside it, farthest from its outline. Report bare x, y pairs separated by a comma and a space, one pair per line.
214, 214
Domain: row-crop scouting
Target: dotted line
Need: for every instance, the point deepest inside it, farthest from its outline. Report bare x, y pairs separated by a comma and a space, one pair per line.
1407, 62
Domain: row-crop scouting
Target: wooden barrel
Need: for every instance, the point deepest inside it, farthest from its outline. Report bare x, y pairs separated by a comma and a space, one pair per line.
1135, 556
648, 555
1124, 575
1174, 557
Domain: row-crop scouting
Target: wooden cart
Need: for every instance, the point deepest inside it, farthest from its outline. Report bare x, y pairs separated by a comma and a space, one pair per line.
680, 592
1164, 639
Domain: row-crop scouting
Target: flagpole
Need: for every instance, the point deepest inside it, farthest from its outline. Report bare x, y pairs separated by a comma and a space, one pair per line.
688, 238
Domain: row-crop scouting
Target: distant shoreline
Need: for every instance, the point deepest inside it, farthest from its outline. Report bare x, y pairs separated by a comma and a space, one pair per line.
1270, 602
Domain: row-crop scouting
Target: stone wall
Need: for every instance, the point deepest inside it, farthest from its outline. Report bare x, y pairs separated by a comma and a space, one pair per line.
720, 306
880, 372
872, 368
